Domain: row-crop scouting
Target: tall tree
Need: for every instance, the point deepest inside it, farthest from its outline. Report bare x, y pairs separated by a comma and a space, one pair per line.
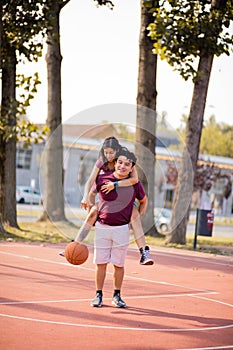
9, 114
54, 195
54, 173
146, 116
184, 32
20, 24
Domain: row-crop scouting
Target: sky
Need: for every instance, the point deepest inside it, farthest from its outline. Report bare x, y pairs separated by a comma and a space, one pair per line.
100, 67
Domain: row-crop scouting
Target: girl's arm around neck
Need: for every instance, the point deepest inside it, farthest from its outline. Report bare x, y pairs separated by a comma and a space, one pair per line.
132, 180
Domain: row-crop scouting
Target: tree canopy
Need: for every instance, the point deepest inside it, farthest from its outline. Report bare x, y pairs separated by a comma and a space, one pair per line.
184, 28
217, 139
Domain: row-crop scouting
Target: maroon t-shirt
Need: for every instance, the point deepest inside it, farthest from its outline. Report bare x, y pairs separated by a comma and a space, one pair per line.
115, 208
102, 166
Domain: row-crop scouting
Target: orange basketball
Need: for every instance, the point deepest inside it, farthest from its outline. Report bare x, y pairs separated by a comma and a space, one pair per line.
76, 253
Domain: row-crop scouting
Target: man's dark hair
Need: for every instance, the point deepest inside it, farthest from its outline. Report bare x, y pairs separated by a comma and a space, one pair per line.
126, 153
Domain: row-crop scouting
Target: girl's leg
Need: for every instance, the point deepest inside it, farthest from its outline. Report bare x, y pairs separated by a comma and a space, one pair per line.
87, 225
137, 228
140, 238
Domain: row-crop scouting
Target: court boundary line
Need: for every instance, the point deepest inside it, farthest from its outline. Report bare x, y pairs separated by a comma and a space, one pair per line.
180, 254
118, 328
211, 348
213, 300
156, 296
200, 258
108, 273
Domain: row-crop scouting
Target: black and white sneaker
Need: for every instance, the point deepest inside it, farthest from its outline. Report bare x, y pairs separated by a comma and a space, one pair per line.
97, 301
145, 256
118, 302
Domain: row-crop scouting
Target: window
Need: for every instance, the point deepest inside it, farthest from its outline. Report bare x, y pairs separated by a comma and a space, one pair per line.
23, 158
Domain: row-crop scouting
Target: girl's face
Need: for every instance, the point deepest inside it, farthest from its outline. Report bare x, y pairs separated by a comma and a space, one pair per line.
109, 154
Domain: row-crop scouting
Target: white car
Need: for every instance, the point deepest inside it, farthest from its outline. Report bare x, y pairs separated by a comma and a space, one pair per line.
162, 217
26, 194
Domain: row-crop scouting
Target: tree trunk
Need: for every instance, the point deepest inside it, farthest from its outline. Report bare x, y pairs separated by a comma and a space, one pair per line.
8, 105
54, 192
0, 34
2, 180
8, 141
2, 146
188, 166
146, 118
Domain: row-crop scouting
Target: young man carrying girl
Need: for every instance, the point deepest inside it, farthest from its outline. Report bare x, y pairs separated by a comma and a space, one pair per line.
112, 225
106, 165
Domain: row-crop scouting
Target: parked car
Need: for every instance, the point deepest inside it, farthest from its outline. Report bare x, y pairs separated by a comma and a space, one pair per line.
26, 194
162, 218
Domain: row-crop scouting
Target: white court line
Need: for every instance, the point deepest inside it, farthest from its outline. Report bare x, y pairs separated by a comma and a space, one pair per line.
203, 259
194, 258
213, 300
210, 348
178, 254
118, 328
109, 273
177, 295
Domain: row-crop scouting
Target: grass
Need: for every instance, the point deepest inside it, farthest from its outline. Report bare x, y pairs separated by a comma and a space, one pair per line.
213, 245
41, 232
61, 232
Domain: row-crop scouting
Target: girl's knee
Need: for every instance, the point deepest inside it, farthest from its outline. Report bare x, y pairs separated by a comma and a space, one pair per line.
93, 212
135, 214
92, 216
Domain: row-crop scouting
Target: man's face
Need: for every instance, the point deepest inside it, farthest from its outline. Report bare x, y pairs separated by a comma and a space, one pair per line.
123, 166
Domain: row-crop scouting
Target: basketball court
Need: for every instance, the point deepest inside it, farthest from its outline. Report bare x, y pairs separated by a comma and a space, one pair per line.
184, 301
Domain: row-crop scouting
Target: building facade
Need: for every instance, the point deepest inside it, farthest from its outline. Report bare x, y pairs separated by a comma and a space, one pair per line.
79, 157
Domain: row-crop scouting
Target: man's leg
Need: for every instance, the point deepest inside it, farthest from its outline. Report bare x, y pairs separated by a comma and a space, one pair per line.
118, 276
100, 274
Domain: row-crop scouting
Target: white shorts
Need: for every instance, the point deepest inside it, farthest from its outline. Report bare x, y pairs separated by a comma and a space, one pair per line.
111, 244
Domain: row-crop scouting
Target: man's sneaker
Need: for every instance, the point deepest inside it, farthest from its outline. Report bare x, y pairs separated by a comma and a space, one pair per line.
145, 256
97, 301
118, 302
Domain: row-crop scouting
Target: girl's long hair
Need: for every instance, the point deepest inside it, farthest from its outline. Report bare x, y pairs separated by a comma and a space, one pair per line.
109, 142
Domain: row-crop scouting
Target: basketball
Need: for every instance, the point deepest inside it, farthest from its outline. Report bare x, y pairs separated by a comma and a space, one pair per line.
76, 253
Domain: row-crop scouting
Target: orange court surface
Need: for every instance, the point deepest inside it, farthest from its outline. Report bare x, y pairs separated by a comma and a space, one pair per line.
183, 301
